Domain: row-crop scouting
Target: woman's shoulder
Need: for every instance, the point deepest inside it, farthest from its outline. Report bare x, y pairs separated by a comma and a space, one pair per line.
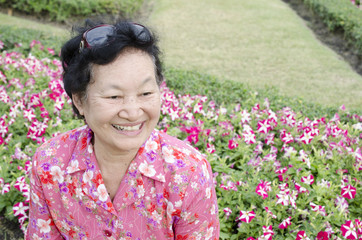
60, 146
180, 153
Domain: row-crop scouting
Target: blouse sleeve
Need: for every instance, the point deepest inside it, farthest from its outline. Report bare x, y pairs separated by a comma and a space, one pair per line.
199, 214
41, 225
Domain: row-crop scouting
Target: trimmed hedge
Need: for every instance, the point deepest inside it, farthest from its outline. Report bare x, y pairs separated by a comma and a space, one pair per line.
226, 92
340, 15
61, 10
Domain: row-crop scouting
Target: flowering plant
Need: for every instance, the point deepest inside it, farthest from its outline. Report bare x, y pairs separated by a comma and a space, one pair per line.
278, 174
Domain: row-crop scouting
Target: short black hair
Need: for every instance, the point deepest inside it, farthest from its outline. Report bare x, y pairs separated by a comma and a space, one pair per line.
77, 61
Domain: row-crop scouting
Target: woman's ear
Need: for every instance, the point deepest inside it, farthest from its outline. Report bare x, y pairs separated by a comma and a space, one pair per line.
78, 103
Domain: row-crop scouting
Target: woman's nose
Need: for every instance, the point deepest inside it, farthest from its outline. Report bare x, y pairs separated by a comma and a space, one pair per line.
130, 109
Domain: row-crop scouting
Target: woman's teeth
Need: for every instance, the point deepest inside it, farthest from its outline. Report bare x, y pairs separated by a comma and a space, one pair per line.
127, 128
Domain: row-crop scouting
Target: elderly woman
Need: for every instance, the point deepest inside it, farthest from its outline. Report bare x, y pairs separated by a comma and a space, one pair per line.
118, 177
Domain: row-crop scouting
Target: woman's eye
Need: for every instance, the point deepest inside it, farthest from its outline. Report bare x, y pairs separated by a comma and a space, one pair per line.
146, 93
114, 97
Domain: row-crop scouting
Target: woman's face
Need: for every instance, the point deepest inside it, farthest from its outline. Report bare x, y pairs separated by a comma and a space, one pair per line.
122, 106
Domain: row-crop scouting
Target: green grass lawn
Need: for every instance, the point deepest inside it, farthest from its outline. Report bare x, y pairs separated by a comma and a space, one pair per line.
260, 42
25, 23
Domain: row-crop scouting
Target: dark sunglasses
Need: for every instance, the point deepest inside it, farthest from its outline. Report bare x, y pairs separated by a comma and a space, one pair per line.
99, 35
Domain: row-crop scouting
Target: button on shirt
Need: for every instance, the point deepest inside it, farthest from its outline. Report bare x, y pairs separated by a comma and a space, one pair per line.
166, 193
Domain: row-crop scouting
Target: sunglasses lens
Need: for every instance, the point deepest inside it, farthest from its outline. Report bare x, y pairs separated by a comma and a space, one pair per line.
141, 32
99, 35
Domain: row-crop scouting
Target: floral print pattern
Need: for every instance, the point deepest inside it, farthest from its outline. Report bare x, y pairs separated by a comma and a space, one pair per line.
166, 193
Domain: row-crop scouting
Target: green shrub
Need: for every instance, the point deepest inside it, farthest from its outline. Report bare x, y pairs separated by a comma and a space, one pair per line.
342, 15
227, 92
62, 10
11, 38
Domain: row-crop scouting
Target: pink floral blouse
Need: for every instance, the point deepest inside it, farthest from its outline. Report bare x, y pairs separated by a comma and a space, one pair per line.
166, 193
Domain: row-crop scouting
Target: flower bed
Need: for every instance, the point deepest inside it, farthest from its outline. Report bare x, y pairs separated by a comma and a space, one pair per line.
278, 173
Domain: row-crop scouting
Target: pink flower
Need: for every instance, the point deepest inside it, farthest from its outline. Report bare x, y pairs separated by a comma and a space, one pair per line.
349, 230
246, 216
268, 231
286, 137
306, 137
245, 116
285, 223
264, 126
210, 148
302, 236
263, 188
341, 203
270, 212
19, 209
173, 113
348, 191
227, 212
233, 144
318, 209
300, 189
308, 179
249, 137
322, 236
283, 198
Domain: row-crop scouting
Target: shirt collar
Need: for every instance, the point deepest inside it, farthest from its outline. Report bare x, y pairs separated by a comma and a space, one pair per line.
148, 161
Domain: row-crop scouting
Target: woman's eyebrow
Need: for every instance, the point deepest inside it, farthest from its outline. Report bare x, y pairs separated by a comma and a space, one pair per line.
119, 87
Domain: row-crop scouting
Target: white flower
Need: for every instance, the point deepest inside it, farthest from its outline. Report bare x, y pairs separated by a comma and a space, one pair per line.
57, 174
151, 146
147, 170
208, 193
73, 167
140, 190
35, 198
168, 155
87, 176
44, 226
178, 203
102, 193
178, 178
209, 233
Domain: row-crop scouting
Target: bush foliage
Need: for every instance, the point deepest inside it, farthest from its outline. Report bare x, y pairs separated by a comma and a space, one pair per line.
340, 15
60, 10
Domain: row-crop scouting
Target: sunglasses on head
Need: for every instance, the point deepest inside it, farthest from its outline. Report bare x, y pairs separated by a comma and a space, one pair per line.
99, 35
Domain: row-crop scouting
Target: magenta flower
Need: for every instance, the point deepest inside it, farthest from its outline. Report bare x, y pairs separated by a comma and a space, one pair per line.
302, 236
227, 212
264, 126
348, 191
318, 209
308, 179
210, 148
306, 137
245, 116
268, 232
286, 137
322, 236
341, 204
269, 140
249, 137
233, 144
270, 212
285, 223
263, 188
246, 216
349, 230
19, 209
300, 189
